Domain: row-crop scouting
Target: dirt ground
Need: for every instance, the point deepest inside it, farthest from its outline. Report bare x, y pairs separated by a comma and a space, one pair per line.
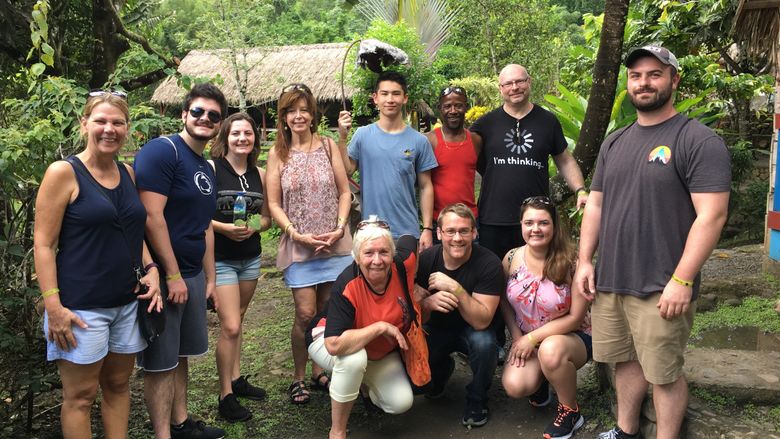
268, 362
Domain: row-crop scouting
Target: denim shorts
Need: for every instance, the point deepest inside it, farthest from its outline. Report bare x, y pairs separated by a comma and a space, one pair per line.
108, 330
230, 272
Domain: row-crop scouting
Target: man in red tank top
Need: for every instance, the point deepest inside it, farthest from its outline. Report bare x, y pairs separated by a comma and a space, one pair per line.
456, 149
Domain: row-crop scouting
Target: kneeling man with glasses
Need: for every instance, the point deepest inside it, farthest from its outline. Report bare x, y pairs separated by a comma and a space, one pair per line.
464, 282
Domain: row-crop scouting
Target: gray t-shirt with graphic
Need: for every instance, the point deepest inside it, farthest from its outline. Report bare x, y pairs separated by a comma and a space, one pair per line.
646, 175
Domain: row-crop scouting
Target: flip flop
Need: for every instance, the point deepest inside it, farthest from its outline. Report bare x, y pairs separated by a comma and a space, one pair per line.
317, 384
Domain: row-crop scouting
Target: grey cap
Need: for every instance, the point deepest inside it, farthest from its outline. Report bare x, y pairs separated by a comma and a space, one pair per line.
661, 53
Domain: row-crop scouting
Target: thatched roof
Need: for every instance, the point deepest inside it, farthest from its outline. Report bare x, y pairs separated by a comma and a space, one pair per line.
757, 27
270, 69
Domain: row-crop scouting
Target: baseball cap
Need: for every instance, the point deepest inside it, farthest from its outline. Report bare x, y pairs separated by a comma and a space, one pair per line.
661, 53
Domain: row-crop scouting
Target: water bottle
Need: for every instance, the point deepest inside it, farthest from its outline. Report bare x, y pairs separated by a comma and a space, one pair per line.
239, 208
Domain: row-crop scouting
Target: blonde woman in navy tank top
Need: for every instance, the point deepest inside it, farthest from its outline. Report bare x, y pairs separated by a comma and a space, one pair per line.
85, 266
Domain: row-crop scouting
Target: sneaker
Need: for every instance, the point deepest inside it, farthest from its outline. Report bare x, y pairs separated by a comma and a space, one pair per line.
241, 387
543, 396
565, 424
195, 430
438, 387
476, 414
617, 433
232, 410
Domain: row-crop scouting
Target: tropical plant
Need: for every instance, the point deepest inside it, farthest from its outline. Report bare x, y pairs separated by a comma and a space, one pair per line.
423, 81
482, 91
432, 19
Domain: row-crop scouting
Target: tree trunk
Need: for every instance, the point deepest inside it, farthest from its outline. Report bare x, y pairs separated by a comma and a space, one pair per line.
108, 46
602, 92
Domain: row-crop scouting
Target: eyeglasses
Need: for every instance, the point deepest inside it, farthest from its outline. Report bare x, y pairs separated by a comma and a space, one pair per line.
197, 112
449, 90
516, 82
452, 232
117, 93
539, 199
373, 221
296, 86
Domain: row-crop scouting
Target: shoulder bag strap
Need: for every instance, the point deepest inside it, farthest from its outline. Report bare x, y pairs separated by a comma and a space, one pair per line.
401, 268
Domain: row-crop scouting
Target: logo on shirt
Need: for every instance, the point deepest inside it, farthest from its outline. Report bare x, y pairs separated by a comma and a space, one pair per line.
517, 141
407, 152
203, 182
660, 154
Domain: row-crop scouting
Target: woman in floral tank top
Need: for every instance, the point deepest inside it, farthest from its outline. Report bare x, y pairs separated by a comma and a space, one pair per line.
309, 198
551, 330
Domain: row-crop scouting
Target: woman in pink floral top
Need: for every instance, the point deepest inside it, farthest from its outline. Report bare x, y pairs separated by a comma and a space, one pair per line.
309, 199
551, 334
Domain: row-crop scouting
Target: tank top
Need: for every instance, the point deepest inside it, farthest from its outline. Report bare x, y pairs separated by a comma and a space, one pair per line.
229, 184
453, 179
536, 299
309, 194
94, 263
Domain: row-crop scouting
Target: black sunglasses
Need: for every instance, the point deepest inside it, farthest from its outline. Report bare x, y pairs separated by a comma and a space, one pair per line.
117, 93
457, 90
296, 86
197, 112
539, 199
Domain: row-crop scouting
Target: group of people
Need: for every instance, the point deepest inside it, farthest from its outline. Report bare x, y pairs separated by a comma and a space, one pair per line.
107, 234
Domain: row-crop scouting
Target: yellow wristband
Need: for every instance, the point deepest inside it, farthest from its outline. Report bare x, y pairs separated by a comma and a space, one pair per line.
176, 276
51, 292
685, 283
459, 290
532, 339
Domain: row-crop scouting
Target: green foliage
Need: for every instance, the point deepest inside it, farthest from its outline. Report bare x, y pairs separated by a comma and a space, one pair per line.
483, 91
754, 311
716, 399
424, 83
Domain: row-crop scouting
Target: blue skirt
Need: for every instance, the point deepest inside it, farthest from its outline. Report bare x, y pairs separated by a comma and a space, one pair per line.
315, 271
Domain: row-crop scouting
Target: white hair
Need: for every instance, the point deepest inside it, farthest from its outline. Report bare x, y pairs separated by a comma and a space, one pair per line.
370, 232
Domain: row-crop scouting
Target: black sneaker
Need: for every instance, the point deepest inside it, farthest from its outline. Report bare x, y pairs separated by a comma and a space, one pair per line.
438, 388
476, 414
242, 388
565, 424
542, 397
617, 433
232, 410
196, 430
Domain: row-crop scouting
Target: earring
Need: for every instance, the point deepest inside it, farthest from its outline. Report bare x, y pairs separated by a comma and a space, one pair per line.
287, 128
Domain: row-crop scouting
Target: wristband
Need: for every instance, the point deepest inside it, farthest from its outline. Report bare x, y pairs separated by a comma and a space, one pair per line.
287, 228
459, 290
428, 228
580, 189
532, 339
685, 283
150, 265
51, 292
176, 276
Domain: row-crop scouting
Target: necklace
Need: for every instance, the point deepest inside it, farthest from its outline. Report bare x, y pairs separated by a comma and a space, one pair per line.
454, 145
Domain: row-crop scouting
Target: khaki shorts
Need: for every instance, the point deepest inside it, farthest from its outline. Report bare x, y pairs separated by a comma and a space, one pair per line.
628, 328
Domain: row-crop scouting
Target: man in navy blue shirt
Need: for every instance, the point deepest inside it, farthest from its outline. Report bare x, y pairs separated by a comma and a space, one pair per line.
176, 185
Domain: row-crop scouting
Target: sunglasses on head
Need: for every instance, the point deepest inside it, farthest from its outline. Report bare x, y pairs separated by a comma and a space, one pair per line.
296, 86
197, 112
539, 199
117, 93
373, 221
457, 90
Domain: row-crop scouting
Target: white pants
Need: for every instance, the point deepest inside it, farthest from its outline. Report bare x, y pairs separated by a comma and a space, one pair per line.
388, 385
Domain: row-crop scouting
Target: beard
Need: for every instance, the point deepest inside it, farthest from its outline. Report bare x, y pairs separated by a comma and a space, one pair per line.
196, 136
661, 97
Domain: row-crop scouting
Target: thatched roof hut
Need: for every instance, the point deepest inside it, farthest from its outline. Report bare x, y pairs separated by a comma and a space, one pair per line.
756, 27
269, 69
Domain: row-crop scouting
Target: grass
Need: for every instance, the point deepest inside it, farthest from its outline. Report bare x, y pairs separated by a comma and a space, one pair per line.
754, 311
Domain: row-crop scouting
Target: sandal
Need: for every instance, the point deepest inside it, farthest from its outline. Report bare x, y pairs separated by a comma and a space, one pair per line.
318, 384
298, 392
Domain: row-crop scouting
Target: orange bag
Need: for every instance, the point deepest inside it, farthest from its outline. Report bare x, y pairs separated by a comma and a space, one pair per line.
416, 356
